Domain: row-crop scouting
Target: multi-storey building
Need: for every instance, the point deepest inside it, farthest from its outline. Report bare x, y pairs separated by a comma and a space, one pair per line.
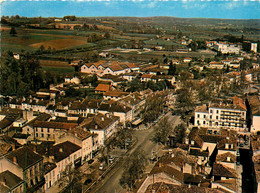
27, 165
225, 47
50, 131
219, 115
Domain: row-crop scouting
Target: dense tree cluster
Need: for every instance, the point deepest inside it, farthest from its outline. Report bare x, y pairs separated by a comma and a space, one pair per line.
137, 85
134, 168
154, 106
18, 77
162, 131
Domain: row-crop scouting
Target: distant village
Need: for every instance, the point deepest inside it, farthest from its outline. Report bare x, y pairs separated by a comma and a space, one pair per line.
41, 135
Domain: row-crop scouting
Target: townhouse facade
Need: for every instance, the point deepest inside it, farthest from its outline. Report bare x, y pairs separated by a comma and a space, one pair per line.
27, 164
228, 116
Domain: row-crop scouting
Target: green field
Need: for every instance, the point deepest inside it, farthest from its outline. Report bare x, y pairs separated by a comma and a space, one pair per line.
61, 70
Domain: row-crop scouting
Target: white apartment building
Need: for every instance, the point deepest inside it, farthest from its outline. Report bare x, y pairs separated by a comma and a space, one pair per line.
225, 48
220, 115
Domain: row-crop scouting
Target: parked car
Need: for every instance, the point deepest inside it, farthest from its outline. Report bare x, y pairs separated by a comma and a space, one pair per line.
87, 181
101, 167
111, 159
90, 161
241, 145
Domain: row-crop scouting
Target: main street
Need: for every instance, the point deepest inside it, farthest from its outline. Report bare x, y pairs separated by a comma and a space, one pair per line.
110, 184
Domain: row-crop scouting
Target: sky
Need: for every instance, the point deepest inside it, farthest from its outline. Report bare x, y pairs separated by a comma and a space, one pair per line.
226, 9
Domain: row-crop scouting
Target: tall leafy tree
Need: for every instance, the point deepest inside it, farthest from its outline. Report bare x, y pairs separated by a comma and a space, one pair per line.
154, 106
134, 168
162, 131
172, 69
13, 31
20, 76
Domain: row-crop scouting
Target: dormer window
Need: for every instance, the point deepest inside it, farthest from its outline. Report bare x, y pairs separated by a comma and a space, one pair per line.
228, 159
192, 142
226, 146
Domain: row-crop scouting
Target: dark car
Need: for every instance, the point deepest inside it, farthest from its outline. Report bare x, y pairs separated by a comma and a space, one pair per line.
90, 161
87, 181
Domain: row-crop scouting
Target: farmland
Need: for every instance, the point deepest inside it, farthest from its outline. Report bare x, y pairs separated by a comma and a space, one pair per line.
135, 39
59, 43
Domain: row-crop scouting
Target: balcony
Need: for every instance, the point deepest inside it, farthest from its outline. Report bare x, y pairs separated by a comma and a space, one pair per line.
36, 186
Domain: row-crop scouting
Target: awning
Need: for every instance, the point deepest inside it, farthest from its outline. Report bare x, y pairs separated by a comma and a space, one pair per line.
137, 121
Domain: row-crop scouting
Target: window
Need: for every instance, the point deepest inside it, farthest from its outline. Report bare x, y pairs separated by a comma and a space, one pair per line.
204, 116
211, 111
36, 134
198, 122
198, 116
204, 122
48, 130
42, 135
217, 111
216, 117
210, 116
42, 129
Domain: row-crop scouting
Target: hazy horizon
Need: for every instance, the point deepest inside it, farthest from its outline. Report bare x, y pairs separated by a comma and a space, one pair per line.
135, 8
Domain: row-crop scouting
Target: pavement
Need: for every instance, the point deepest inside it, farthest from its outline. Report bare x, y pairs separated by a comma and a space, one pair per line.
110, 183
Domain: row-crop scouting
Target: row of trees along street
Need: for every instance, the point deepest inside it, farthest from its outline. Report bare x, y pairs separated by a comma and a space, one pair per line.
164, 130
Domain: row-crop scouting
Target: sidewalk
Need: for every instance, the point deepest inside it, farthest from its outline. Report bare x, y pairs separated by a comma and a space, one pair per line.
84, 168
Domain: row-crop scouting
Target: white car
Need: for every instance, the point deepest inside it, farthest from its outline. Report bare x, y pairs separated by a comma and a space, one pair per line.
101, 167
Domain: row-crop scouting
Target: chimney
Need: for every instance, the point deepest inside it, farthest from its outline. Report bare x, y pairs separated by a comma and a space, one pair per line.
96, 126
14, 159
25, 115
61, 150
102, 118
192, 142
34, 148
13, 146
160, 164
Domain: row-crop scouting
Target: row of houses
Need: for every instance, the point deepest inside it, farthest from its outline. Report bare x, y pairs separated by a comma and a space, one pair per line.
103, 67
190, 167
53, 136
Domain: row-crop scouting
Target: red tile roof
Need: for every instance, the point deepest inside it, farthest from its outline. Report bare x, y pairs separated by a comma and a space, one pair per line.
103, 87
224, 171
55, 125
115, 67
146, 76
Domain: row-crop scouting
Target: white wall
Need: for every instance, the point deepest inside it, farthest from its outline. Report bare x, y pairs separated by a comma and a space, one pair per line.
255, 124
